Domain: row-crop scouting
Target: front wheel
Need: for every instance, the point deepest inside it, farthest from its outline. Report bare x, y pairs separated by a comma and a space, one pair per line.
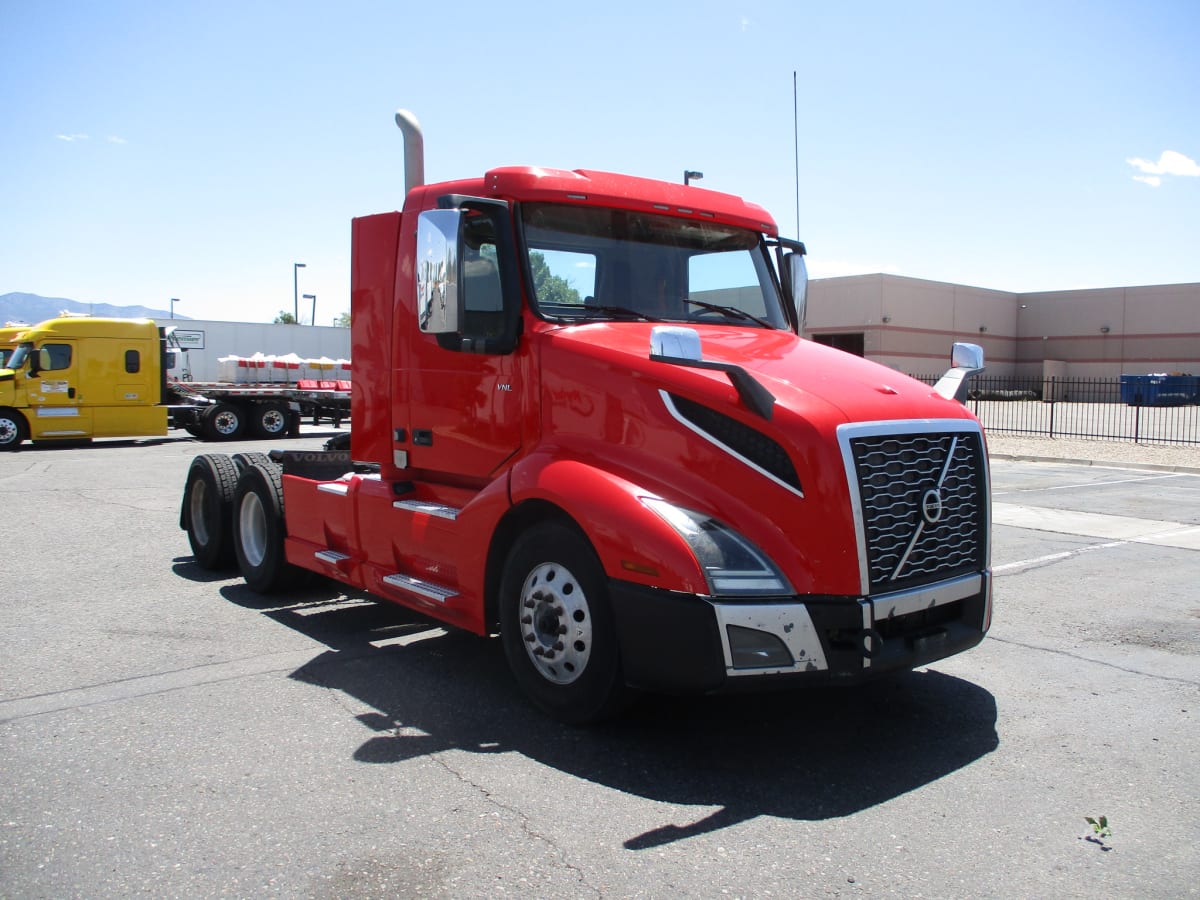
557, 626
13, 429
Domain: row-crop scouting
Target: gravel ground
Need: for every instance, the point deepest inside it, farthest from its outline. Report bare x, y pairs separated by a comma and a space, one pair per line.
1178, 458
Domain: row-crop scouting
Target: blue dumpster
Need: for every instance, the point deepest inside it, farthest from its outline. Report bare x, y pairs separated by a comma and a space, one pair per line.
1159, 390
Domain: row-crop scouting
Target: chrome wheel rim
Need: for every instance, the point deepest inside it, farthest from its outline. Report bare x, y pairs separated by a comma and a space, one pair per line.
252, 519
556, 623
198, 512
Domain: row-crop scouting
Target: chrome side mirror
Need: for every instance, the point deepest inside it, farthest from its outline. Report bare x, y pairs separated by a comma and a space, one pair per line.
967, 356
437, 271
965, 360
798, 280
675, 342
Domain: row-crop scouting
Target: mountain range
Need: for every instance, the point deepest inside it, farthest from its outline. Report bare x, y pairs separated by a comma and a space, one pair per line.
29, 309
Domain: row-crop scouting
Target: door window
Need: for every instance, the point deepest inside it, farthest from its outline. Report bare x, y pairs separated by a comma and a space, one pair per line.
59, 356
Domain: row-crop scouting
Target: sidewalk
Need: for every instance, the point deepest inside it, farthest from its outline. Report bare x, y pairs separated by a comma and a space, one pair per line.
1180, 458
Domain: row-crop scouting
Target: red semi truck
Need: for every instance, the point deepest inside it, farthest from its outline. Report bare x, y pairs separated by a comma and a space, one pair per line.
585, 418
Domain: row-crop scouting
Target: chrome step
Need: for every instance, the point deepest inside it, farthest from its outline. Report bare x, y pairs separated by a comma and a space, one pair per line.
428, 508
427, 589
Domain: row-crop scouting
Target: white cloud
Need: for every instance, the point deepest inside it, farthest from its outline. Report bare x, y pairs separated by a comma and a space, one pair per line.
1170, 162
71, 137
113, 139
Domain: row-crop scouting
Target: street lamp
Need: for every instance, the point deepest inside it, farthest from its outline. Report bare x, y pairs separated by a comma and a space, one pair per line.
174, 300
689, 176
313, 298
296, 267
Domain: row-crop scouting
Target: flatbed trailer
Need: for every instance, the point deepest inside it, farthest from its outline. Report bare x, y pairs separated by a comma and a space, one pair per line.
223, 411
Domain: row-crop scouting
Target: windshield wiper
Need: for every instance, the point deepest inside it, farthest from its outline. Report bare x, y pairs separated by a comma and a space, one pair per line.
624, 311
731, 312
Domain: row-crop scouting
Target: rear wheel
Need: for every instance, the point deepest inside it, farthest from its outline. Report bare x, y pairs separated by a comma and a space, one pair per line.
208, 510
269, 420
557, 626
222, 422
13, 429
248, 458
259, 531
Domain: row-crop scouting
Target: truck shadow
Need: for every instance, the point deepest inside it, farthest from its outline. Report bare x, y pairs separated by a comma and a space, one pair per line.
807, 755
95, 444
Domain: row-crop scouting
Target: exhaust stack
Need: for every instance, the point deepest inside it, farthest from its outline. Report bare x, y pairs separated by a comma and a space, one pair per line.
414, 150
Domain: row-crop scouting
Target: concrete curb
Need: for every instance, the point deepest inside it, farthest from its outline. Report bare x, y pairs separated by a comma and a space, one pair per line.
1111, 464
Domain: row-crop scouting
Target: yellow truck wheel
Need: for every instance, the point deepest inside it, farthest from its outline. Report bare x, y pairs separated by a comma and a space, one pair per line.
14, 430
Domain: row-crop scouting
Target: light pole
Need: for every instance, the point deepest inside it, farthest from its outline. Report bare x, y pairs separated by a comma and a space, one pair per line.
174, 300
313, 298
296, 267
689, 176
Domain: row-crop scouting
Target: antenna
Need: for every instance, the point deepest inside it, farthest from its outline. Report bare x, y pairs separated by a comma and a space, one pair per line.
796, 140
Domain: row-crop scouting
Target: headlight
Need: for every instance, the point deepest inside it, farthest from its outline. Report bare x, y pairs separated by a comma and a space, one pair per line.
732, 565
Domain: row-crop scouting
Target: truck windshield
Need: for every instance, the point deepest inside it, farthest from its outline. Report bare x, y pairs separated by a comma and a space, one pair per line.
17, 357
591, 263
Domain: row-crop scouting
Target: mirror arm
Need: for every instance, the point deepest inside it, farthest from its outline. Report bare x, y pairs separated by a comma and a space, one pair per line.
967, 361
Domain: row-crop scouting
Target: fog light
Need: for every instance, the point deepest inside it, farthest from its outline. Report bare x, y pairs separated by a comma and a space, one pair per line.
753, 649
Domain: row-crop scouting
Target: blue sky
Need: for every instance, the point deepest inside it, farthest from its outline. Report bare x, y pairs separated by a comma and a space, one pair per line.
153, 150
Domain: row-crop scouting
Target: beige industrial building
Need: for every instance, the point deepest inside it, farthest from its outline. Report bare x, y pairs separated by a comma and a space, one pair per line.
909, 324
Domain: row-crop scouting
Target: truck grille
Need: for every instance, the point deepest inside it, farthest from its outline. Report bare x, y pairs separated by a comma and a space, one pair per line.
923, 502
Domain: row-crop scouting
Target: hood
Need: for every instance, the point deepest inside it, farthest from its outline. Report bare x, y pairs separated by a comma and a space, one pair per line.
815, 382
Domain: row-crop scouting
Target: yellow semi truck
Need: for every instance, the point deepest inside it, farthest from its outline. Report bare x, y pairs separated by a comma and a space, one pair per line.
8, 341
77, 378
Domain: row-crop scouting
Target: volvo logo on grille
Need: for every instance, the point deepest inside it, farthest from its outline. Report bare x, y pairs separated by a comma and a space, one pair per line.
931, 506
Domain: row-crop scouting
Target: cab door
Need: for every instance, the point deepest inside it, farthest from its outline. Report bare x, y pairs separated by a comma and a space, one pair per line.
466, 412
466, 383
53, 388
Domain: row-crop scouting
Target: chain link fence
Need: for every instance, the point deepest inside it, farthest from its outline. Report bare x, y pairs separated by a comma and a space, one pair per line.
1144, 409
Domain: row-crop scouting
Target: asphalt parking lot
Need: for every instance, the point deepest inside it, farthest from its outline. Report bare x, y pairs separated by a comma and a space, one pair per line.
167, 733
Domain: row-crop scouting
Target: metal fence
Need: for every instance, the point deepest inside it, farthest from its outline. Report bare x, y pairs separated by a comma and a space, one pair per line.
1144, 409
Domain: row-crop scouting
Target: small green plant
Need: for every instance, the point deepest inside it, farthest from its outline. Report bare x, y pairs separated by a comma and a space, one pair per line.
1100, 827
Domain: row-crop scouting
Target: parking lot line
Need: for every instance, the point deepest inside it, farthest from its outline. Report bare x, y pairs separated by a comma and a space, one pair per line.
1121, 529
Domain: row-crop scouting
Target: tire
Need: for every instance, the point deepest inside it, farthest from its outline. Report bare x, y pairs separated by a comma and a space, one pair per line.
259, 531
269, 421
194, 429
207, 512
244, 460
14, 430
222, 422
557, 626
